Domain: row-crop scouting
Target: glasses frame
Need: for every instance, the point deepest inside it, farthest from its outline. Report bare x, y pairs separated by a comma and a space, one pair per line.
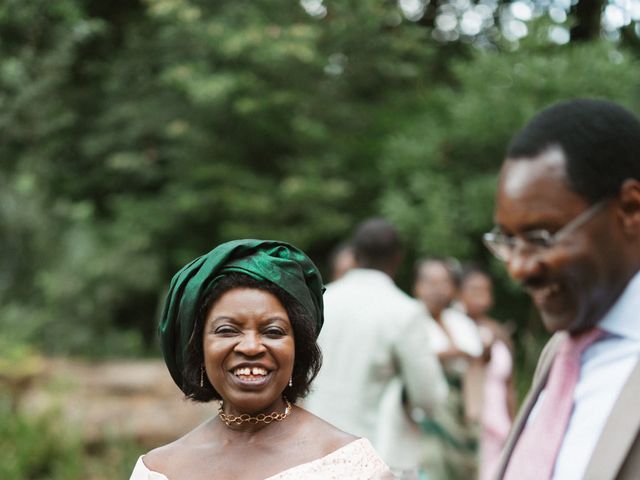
504, 246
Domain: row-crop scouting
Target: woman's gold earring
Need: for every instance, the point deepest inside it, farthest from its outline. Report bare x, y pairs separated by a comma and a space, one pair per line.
202, 376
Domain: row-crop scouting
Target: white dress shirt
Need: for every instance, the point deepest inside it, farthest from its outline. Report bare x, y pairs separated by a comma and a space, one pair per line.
463, 333
462, 330
605, 368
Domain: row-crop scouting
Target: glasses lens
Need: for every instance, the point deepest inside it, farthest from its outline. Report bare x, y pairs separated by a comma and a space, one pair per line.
538, 239
498, 244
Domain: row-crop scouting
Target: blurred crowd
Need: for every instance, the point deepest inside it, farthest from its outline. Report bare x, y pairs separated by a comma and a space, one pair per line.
426, 377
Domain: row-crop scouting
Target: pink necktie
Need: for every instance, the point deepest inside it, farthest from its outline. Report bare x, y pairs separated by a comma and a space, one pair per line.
535, 453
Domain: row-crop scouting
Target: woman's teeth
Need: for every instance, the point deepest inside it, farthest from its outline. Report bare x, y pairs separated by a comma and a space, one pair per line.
250, 372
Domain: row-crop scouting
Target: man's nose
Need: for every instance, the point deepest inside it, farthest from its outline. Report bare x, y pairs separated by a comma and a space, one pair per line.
523, 265
250, 344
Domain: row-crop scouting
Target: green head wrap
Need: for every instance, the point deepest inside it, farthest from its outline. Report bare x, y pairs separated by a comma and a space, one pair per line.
270, 260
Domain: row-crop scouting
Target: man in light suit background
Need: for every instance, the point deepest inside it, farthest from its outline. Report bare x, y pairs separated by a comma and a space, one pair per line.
377, 363
568, 229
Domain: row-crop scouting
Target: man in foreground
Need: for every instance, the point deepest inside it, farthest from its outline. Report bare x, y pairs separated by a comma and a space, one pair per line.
568, 229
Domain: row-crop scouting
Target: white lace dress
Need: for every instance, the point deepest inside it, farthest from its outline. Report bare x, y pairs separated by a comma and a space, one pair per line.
356, 460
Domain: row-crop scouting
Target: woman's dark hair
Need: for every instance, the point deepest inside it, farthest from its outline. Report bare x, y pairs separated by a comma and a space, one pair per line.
470, 269
308, 358
451, 265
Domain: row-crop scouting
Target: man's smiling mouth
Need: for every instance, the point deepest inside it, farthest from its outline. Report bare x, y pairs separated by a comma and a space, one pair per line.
542, 294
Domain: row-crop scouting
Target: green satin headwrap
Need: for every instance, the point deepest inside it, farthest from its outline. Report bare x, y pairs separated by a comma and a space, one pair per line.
270, 260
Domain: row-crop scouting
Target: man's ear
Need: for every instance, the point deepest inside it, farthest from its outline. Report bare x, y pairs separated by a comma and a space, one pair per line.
629, 213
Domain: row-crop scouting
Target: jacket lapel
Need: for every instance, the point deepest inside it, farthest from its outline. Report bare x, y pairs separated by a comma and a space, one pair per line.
619, 434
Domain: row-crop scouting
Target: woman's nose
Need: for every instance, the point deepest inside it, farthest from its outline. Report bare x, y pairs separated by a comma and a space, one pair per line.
250, 344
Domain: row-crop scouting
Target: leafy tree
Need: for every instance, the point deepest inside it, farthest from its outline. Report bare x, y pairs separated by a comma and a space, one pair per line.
143, 136
137, 135
441, 164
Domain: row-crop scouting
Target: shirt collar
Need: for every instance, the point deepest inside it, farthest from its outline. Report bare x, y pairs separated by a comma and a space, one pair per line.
623, 318
369, 273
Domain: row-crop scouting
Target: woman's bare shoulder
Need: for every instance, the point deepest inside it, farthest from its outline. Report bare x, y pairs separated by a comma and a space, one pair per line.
157, 459
329, 437
161, 459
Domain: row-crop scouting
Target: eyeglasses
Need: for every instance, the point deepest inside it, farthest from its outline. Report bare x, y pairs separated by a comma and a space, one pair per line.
535, 241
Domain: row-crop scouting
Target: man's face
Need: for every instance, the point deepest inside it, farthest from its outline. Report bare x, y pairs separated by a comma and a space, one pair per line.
574, 282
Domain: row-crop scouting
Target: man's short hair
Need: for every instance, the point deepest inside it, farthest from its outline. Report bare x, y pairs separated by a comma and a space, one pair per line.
376, 244
600, 141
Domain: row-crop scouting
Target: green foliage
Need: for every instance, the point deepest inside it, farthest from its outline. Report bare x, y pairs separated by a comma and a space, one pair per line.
442, 163
36, 448
40, 448
137, 135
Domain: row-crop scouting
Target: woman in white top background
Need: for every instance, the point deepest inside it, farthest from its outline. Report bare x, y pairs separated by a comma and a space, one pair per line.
451, 434
493, 371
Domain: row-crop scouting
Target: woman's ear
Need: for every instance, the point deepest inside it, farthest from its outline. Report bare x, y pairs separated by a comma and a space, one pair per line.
629, 199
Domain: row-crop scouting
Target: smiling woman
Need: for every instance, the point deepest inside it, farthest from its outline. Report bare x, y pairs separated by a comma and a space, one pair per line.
254, 314
240, 326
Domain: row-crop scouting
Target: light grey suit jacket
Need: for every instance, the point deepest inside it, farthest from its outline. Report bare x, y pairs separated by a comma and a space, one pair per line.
377, 365
617, 453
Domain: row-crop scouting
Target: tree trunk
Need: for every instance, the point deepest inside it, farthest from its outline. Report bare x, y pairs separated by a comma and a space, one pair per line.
587, 14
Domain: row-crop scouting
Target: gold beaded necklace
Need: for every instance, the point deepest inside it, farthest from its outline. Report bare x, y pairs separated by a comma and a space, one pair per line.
230, 420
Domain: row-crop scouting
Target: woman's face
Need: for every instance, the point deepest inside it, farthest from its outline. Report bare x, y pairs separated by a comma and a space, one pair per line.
248, 347
476, 294
435, 287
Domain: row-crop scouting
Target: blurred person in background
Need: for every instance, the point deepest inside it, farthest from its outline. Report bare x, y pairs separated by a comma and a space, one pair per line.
490, 380
452, 434
239, 326
341, 260
378, 366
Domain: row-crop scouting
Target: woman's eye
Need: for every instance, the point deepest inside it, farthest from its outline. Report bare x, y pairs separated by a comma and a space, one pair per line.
275, 332
225, 330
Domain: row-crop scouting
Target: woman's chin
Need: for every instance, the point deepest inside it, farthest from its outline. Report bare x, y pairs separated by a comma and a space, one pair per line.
253, 400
